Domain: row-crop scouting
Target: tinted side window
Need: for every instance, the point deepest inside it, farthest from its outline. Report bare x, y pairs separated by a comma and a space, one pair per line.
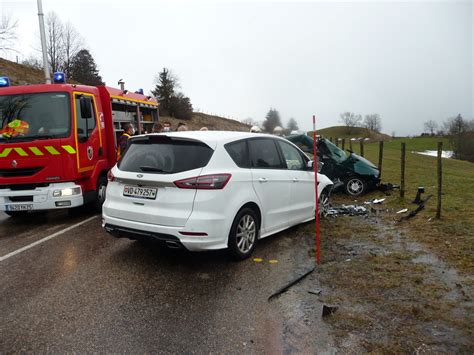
264, 154
161, 155
84, 124
293, 158
239, 153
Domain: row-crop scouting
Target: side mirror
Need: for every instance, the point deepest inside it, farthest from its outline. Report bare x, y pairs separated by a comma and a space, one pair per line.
86, 107
320, 166
310, 165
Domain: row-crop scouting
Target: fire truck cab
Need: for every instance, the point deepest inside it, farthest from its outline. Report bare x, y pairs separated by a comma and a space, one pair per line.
58, 141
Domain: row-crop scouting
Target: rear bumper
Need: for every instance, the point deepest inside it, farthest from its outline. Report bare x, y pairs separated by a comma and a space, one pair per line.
123, 232
40, 198
216, 237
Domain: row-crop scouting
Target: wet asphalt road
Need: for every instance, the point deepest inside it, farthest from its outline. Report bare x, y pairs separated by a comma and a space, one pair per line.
86, 291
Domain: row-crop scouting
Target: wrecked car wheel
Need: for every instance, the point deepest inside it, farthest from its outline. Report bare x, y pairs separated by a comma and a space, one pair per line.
243, 234
323, 206
355, 186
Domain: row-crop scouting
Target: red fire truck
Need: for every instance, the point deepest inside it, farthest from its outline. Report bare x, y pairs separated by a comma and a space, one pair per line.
58, 141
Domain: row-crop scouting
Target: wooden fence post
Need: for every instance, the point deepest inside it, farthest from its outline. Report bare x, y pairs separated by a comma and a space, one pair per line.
362, 148
343, 143
337, 142
402, 171
440, 179
380, 156
350, 145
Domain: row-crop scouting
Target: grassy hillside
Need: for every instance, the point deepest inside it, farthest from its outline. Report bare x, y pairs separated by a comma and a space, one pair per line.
357, 132
22, 75
213, 123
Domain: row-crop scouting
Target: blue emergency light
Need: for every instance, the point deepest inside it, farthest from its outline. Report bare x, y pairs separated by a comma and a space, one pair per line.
140, 91
4, 82
59, 78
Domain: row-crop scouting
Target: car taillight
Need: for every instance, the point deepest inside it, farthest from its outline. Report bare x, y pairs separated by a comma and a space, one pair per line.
204, 182
110, 176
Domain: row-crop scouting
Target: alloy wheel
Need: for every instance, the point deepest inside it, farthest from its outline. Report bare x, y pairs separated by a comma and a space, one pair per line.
246, 233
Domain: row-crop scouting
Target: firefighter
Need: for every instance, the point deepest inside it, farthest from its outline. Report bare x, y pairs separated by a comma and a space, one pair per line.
123, 140
15, 128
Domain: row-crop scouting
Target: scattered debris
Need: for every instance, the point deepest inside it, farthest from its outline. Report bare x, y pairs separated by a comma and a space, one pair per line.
374, 201
347, 260
328, 310
291, 283
258, 260
351, 210
418, 199
388, 187
316, 291
413, 213
273, 261
403, 211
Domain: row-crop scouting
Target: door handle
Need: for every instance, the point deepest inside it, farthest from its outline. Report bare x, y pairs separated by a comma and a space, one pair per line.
262, 179
295, 180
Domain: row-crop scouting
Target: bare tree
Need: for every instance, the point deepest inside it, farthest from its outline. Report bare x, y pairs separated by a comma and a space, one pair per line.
54, 41
7, 32
72, 43
431, 126
461, 136
33, 62
250, 121
373, 122
351, 120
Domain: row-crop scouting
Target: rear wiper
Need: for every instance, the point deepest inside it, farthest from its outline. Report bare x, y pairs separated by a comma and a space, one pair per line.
152, 169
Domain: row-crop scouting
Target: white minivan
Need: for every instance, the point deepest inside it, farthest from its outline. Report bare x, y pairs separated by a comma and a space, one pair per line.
210, 190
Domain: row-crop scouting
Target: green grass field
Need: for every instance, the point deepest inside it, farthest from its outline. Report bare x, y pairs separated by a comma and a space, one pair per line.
453, 236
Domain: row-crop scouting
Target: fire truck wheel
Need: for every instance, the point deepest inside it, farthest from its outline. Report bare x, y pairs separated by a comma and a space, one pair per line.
101, 188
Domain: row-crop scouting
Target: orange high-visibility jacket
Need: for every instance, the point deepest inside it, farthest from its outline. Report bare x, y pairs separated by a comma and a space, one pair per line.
15, 128
122, 144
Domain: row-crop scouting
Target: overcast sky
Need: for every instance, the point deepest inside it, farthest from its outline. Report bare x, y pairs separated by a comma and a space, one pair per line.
408, 61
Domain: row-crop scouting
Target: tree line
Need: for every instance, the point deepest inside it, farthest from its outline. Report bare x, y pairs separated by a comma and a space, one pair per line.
67, 52
460, 133
273, 120
371, 121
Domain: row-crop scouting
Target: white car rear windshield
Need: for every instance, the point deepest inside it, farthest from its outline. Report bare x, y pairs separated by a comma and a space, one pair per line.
164, 155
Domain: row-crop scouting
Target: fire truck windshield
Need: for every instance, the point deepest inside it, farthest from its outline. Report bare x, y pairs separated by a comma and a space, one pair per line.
34, 116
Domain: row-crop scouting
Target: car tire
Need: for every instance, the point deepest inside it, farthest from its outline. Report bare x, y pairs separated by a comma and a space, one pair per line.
324, 205
243, 234
355, 186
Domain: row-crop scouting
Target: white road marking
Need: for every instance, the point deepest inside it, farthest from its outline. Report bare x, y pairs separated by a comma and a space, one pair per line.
45, 239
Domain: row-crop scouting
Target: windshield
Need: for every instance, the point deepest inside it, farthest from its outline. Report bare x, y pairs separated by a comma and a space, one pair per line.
334, 151
29, 116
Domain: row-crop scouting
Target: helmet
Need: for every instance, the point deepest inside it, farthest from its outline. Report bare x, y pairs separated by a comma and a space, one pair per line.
255, 129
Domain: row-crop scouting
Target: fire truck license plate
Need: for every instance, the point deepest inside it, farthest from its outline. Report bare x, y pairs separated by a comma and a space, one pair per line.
19, 207
140, 192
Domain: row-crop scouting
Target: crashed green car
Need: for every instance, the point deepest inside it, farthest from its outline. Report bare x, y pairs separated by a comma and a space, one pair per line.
355, 174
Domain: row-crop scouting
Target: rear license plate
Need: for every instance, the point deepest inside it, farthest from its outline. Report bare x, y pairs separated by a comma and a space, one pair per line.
140, 192
25, 207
